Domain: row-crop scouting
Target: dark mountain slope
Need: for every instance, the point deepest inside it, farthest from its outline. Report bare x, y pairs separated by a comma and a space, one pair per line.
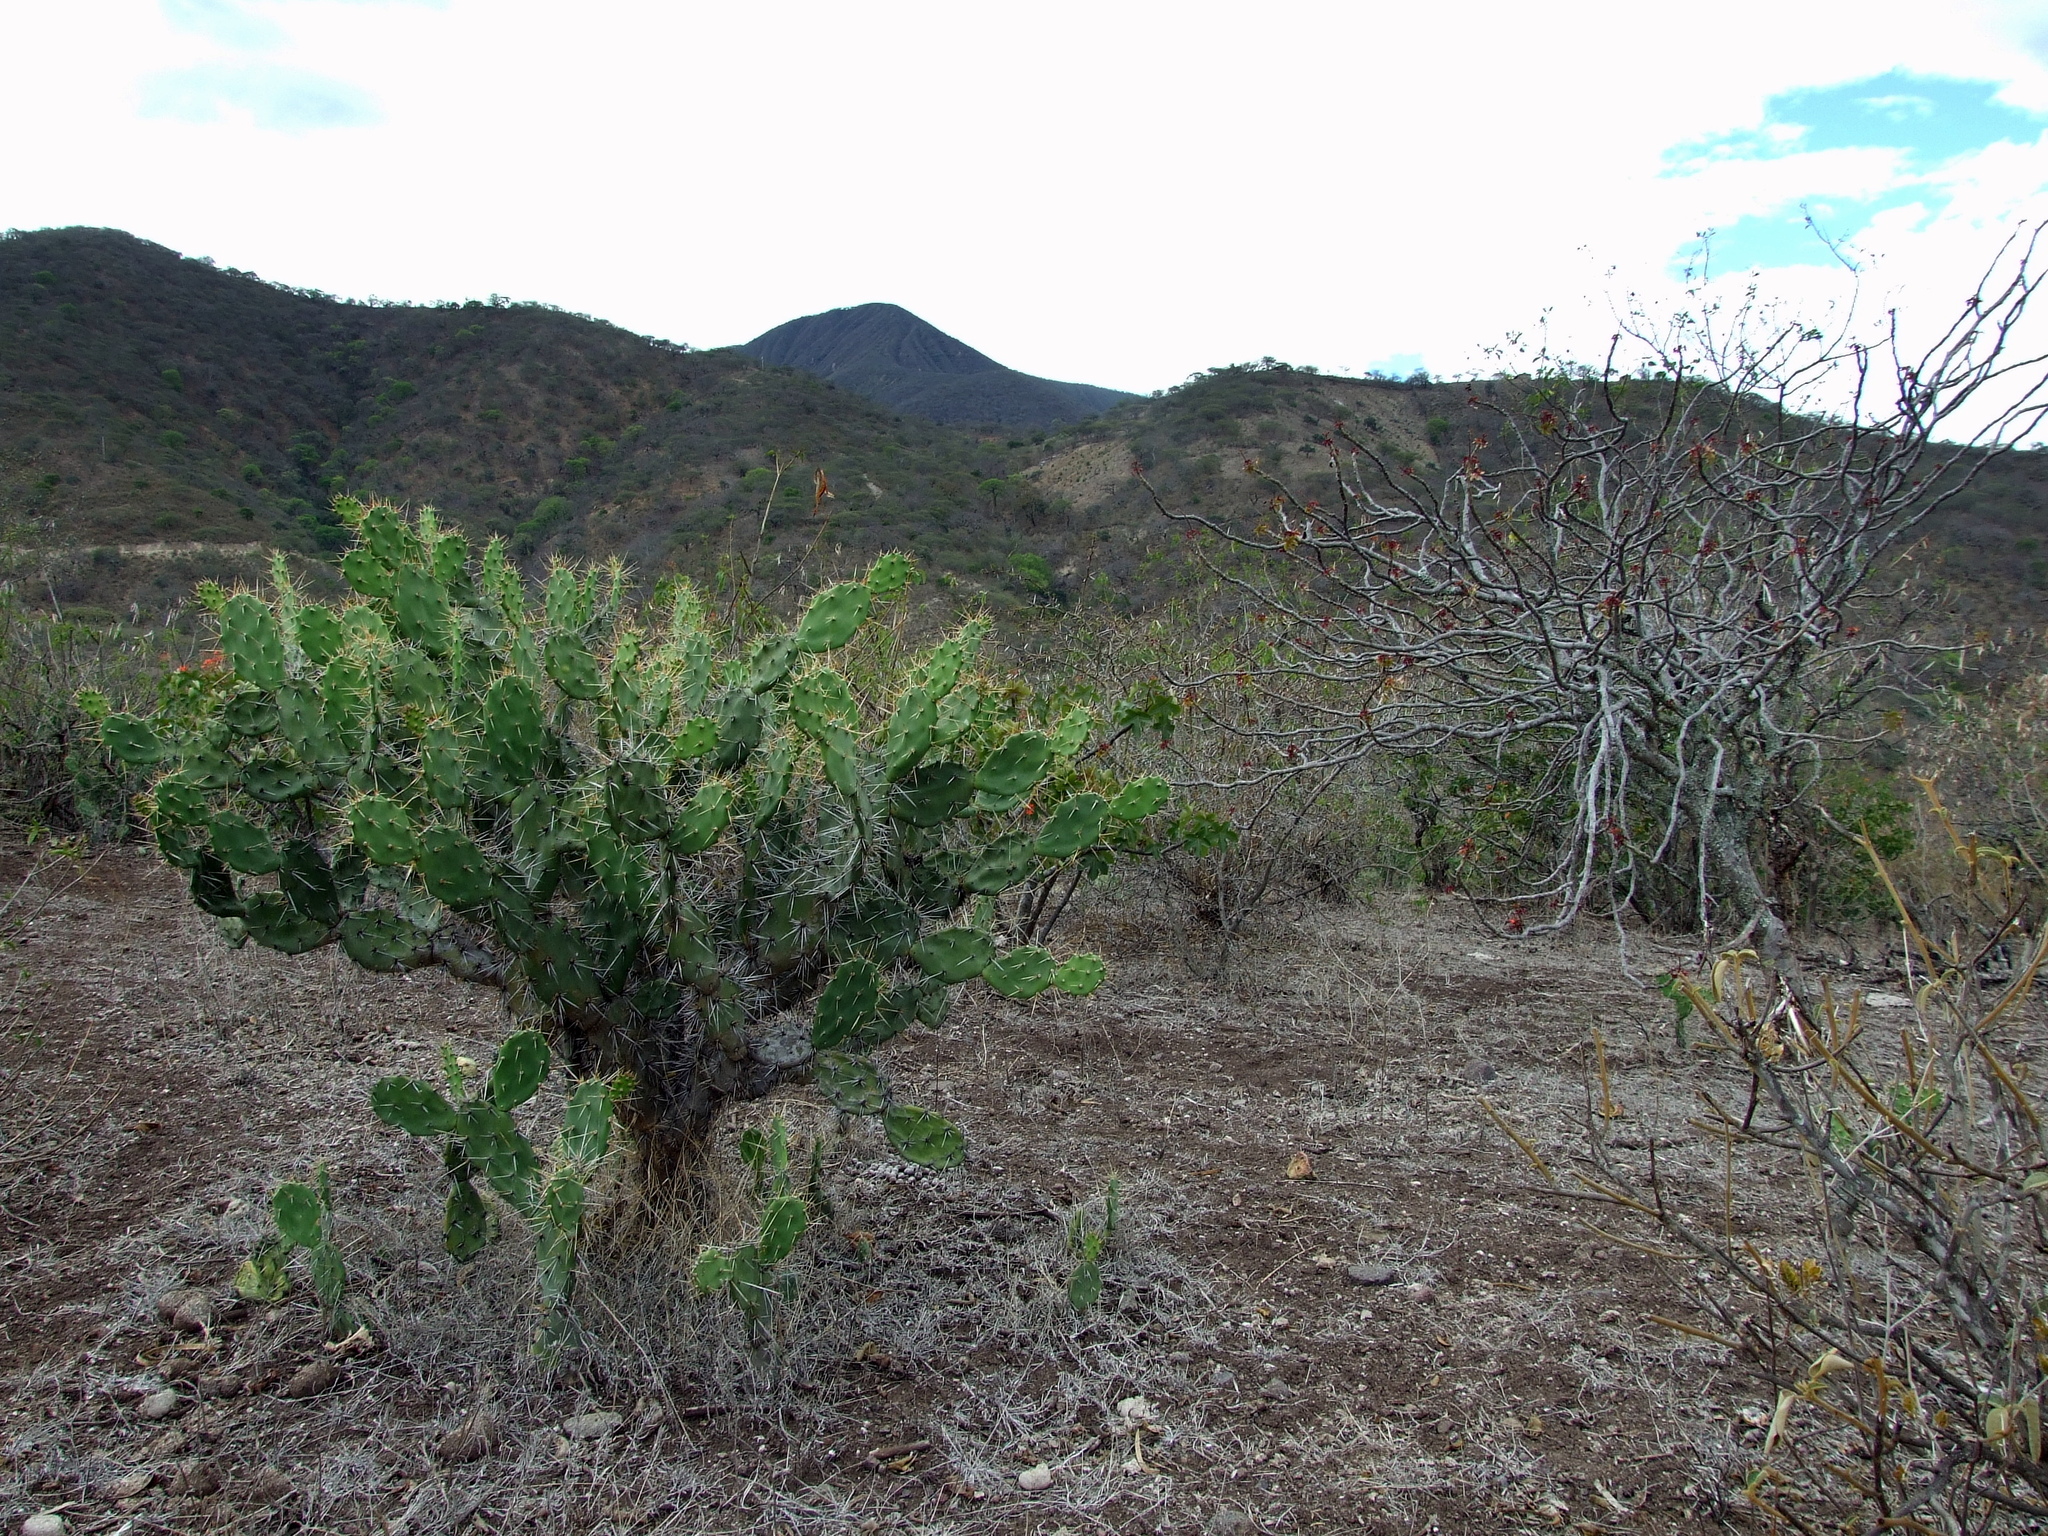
150, 403
887, 353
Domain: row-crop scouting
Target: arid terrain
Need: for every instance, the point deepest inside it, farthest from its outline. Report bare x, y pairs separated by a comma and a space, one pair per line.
1420, 1335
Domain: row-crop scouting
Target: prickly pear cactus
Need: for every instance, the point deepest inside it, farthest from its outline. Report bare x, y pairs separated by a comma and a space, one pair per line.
709, 860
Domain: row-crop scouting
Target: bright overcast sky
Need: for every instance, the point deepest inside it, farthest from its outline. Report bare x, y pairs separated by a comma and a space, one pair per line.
1110, 191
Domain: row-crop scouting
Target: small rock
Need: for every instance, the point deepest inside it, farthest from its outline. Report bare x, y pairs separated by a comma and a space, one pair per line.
1035, 1479
1422, 1293
166, 1445
1300, 1167
195, 1479
591, 1426
269, 1485
1480, 1070
1886, 1000
1534, 1428
43, 1525
1371, 1274
471, 1440
133, 1486
187, 1309
312, 1378
159, 1405
1276, 1389
1222, 1376
1229, 1522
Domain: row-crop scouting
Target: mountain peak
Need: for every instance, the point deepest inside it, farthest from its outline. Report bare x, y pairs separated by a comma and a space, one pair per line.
891, 355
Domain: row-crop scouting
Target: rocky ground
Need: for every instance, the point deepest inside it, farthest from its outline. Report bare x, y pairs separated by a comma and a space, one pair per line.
1338, 1298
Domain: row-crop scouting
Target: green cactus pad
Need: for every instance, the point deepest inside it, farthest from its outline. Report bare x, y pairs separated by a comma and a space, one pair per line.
942, 669
1015, 766
514, 732
383, 830
561, 1212
384, 941
833, 616
501, 1154
441, 768
699, 822
131, 740
934, 1000
847, 1002
1079, 975
319, 633
851, 1083
572, 667
560, 966
250, 714
244, 846
713, 1271
413, 678
369, 576
1071, 734
768, 663
466, 1224
953, 954
924, 1138
413, 1107
307, 884
454, 870
251, 641
956, 713
783, 1220
633, 805
771, 782
695, 737
208, 767
932, 794
823, 708
300, 1214
910, 733
213, 888
1002, 864
387, 538
274, 781
587, 1122
1140, 798
420, 604
302, 718
274, 925
519, 1069
891, 573
1074, 825
741, 719
1020, 973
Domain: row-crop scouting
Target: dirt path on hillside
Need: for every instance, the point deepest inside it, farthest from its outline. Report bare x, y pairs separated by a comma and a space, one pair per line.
1420, 1336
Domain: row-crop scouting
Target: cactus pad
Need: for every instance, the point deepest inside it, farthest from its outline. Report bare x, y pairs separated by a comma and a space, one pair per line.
420, 603
783, 1221
890, 574
251, 641
1074, 825
1002, 864
573, 668
1071, 734
383, 830
1079, 975
250, 714
700, 821
933, 794
369, 576
851, 1083
768, 663
833, 616
695, 737
1020, 973
956, 713
307, 884
519, 1069
413, 1107
454, 870
1015, 766
131, 740
383, 941
244, 846
273, 924
953, 954
319, 633
513, 728
924, 1138
847, 1002
1139, 798
274, 782
910, 733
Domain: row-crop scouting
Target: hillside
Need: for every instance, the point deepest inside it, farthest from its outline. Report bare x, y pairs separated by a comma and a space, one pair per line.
161, 418
885, 352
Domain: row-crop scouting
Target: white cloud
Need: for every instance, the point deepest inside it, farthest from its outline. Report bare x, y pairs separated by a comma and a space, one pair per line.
1121, 191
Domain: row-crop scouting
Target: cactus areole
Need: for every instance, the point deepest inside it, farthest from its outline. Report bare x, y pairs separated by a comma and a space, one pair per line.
709, 860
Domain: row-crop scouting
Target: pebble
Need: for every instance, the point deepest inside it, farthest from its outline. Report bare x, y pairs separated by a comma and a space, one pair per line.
159, 1405
1222, 1376
43, 1525
133, 1486
269, 1485
1420, 1292
1371, 1274
1035, 1479
1480, 1070
1278, 1390
188, 1309
312, 1378
471, 1440
1229, 1522
591, 1426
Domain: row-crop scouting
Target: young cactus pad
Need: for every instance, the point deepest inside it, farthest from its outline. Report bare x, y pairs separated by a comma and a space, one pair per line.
659, 836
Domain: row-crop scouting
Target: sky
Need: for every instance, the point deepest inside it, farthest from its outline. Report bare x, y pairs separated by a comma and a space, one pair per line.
1116, 191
